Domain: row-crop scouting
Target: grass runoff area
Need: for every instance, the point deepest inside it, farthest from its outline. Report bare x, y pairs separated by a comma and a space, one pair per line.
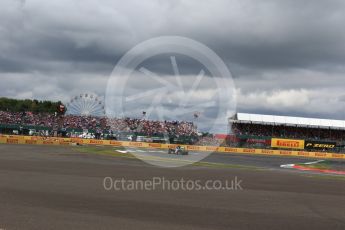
326, 165
114, 152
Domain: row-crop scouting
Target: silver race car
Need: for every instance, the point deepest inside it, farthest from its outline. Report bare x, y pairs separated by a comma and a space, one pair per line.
179, 150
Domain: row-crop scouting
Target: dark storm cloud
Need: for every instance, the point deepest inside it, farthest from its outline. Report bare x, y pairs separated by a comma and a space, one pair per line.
278, 34
287, 57
267, 34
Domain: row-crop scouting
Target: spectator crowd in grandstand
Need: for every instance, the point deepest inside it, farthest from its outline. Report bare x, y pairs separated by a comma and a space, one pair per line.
131, 125
243, 134
284, 131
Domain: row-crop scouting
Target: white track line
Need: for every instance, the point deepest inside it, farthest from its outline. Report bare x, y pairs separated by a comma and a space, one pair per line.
313, 162
307, 163
287, 166
121, 151
156, 151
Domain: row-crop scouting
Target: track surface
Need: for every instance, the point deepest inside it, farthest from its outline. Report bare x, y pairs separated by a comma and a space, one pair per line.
269, 162
45, 187
272, 162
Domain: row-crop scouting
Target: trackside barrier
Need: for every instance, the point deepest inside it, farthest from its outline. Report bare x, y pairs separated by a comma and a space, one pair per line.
10, 139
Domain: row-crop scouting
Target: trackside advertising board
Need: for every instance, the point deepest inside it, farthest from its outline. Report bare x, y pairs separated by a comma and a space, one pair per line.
287, 143
319, 145
283, 143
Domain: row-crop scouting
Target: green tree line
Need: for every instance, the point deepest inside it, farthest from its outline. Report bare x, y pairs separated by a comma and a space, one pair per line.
28, 105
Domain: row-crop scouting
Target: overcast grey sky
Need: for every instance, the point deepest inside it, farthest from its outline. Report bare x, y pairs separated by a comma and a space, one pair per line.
286, 56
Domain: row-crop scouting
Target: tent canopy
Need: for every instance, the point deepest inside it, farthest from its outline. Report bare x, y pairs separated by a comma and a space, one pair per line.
285, 120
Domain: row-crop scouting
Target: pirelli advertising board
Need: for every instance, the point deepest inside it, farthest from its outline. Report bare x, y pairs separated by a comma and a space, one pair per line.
276, 142
287, 143
319, 145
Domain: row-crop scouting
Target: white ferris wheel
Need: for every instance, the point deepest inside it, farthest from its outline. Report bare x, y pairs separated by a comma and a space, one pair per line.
86, 104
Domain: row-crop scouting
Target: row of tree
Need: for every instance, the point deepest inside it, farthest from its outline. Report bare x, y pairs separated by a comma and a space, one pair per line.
28, 105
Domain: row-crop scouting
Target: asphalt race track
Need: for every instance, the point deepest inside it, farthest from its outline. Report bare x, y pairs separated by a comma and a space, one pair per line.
269, 162
43, 187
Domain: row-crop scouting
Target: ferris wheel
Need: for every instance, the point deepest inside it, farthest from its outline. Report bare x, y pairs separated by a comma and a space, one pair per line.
87, 104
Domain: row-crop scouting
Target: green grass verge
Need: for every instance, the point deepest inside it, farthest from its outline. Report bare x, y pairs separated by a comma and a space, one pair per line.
321, 165
107, 151
221, 165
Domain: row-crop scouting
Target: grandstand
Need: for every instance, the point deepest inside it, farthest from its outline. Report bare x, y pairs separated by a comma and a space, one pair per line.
257, 130
50, 124
246, 130
288, 121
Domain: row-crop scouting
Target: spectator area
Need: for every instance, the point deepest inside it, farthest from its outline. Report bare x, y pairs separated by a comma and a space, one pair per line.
256, 129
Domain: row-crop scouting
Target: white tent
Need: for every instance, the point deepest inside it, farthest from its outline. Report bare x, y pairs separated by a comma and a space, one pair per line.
290, 121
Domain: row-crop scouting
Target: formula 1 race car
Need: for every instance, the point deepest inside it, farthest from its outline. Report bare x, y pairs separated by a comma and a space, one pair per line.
179, 150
